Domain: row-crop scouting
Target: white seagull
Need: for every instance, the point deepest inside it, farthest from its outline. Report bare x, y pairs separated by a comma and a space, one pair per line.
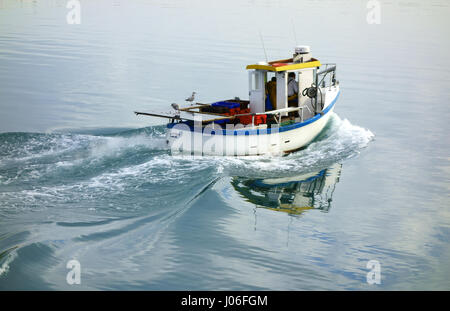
191, 99
177, 109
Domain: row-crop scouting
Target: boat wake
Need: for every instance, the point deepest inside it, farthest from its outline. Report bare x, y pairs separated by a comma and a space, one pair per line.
59, 167
46, 167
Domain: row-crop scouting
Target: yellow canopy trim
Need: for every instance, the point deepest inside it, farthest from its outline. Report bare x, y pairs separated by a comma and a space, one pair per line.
277, 65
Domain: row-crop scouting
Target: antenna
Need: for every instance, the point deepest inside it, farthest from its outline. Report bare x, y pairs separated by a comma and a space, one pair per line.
262, 42
293, 29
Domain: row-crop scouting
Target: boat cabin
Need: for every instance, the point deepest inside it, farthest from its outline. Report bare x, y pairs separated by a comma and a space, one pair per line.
280, 92
280, 84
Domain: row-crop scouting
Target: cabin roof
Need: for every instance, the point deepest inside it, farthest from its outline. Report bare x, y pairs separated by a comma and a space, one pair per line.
285, 64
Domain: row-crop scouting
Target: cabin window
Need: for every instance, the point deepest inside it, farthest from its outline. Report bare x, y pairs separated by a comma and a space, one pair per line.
271, 92
293, 89
256, 81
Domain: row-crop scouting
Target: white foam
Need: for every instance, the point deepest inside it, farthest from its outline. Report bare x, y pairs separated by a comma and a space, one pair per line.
53, 145
113, 146
341, 140
4, 268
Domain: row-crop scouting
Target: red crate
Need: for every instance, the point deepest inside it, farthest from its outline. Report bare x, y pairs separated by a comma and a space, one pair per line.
245, 119
259, 119
234, 111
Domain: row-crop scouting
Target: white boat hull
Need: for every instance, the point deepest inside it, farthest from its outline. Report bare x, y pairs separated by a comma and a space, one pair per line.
250, 141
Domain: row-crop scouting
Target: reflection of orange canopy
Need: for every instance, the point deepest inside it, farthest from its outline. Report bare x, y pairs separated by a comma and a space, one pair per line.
271, 91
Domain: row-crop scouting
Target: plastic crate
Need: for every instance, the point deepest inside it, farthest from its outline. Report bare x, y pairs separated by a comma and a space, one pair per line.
259, 119
229, 105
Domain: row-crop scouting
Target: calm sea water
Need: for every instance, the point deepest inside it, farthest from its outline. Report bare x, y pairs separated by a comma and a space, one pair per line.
82, 178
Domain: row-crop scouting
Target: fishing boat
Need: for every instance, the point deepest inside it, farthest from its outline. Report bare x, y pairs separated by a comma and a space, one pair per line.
290, 102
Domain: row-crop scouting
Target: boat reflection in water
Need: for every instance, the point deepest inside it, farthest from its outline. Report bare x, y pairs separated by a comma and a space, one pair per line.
292, 195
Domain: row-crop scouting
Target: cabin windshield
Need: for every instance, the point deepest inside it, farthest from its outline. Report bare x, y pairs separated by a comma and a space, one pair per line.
292, 89
255, 81
271, 92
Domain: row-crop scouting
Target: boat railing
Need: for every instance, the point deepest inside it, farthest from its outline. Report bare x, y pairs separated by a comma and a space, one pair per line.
330, 71
278, 112
327, 69
178, 117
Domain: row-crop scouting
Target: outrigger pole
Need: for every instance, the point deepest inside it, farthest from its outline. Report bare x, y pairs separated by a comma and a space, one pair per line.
171, 116
158, 115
